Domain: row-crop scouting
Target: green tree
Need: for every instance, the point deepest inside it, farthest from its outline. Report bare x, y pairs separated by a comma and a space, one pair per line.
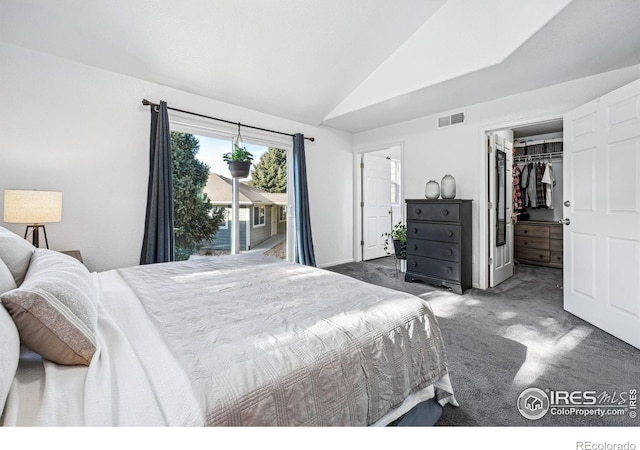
270, 174
195, 218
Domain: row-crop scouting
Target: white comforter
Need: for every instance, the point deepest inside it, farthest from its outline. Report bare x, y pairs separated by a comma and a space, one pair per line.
242, 340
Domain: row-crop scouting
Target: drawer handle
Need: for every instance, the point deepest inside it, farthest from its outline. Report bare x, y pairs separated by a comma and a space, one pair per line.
414, 247
449, 269
450, 233
541, 256
526, 231
418, 211
415, 230
445, 212
449, 252
414, 264
525, 243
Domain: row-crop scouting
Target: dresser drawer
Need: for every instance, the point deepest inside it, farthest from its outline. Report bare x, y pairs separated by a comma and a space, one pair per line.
532, 254
532, 242
532, 230
434, 249
555, 245
433, 231
555, 258
555, 231
434, 267
446, 212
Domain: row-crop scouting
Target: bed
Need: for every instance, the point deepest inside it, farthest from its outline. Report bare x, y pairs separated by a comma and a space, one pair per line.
242, 340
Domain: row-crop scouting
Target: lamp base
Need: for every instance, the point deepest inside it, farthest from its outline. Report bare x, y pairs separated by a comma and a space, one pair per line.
35, 238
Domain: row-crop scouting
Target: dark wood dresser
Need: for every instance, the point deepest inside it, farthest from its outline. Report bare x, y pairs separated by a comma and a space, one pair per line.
439, 243
538, 243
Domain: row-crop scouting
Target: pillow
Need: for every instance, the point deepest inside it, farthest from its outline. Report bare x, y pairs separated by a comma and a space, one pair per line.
55, 309
16, 253
9, 354
6, 279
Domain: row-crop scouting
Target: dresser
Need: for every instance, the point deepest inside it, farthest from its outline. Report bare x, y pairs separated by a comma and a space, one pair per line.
538, 243
439, 243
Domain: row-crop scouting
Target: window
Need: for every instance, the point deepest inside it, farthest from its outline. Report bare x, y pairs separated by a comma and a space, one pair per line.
227, 214
395, 182
283, 214
258, 216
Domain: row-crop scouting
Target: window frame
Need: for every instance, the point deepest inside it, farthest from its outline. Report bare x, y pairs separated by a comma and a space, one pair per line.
259, 216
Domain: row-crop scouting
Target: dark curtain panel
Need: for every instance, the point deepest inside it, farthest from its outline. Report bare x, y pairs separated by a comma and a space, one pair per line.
158, 243
304, 241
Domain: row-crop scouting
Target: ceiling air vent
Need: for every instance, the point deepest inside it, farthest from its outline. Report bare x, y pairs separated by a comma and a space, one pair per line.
452, 119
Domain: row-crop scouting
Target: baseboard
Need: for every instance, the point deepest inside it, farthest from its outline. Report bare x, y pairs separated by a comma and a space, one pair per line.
335, 263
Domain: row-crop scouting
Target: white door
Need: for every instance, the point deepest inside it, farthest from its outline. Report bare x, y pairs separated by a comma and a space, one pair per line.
376, 205
602, 213
501, 205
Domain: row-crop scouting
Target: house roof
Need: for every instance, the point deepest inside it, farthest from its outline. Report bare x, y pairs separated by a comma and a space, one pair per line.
219, 191
353, 65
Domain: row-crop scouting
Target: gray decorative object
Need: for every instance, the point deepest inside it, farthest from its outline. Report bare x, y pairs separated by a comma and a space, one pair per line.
448, 187
432, 190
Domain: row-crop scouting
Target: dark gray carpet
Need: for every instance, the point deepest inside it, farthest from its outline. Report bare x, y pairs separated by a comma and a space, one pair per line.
503, 340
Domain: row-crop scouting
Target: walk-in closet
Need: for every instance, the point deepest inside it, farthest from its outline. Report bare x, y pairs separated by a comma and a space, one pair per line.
537, 194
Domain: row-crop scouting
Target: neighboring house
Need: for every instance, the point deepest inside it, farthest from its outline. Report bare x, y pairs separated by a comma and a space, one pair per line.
262, 214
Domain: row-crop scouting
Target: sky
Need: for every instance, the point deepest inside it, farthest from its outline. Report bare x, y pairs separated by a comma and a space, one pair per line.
212, 149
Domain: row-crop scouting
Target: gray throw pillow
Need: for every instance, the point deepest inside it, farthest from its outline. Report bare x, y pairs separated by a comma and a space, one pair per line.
55, 309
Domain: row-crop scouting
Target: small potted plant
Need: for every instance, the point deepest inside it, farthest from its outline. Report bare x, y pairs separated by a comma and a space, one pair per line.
239, 161
398, 235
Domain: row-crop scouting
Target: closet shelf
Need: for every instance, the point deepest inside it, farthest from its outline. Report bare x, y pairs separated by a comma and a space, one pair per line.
530, 143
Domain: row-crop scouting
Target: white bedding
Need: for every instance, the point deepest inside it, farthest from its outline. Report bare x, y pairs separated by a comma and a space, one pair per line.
241, 340
133, 379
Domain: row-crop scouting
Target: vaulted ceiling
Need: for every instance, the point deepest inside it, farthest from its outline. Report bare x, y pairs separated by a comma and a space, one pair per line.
349, 64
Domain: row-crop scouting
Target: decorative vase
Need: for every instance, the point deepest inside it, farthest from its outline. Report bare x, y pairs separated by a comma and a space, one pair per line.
448, 187
432, 190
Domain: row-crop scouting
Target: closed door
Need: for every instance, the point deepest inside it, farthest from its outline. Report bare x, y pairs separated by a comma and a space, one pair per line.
602, 213
376, 205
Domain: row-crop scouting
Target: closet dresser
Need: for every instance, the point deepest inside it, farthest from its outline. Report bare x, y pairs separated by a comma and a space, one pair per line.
539, 243
439, 243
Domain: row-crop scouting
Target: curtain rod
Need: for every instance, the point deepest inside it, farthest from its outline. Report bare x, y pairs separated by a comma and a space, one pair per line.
148, 103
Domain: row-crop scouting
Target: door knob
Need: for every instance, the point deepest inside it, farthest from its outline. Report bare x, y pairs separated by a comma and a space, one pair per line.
565, 221
567, 203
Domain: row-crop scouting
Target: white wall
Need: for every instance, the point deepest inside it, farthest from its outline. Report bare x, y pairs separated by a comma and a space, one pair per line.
83, 131
430, 153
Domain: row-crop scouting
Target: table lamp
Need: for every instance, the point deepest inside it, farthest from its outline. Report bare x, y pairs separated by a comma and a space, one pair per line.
34, 208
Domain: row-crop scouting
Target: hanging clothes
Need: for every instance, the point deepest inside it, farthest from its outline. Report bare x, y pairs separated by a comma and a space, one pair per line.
540, 201
531, 181
549, 182
518, 204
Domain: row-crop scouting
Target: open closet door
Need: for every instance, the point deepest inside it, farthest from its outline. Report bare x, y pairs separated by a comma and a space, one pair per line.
602, 213
501, 205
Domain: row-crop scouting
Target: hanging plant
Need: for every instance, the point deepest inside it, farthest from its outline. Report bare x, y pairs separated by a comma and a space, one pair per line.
239, 159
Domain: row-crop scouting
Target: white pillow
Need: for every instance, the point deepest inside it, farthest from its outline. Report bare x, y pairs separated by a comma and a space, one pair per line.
56, 309
6, 279
9, 354
16, 253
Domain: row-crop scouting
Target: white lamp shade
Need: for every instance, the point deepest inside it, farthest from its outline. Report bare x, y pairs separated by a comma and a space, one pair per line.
32, 207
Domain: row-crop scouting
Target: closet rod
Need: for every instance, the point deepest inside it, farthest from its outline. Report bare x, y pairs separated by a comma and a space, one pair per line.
146, 102
537, 156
